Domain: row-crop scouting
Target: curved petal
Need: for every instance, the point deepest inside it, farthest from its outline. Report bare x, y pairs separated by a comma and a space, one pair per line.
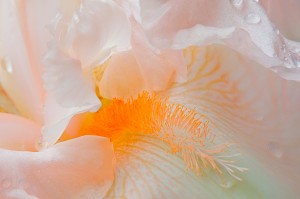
147, 169
128, 73
78, 168
122, 76
6, 104
248, 104
19, 73
96, 30
18, 133
68, 93
178, 24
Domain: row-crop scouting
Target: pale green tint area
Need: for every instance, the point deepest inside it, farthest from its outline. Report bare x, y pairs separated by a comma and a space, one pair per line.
146, 169
257, 183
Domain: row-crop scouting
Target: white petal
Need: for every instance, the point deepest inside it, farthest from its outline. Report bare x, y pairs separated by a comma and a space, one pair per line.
170, 23
96, 30
78, 168
147, 169
68, 93
18, 72
248, 104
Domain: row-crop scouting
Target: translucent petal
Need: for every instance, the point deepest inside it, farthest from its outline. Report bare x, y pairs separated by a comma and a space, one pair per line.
95, 30
179, 24
141, 68
68, 93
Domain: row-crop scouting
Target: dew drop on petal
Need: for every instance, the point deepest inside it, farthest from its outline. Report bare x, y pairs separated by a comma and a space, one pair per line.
252, 18
76, 18
6, 65
275, 149
42, 145
227, 185
237, 3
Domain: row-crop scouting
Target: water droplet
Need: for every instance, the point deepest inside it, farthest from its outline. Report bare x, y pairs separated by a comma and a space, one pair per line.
275, 149
76, 18
6, 65
227, 185
40, 145
256, 1
237, 3
295, 59
252, 18
6, 183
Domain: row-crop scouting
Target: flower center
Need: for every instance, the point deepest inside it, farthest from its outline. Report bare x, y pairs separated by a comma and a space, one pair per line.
183, 129
148, 114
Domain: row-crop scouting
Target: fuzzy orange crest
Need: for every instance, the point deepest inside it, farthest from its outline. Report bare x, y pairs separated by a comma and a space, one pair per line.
183, 129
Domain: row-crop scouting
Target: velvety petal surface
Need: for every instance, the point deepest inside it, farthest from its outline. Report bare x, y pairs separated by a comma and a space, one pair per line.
18, 133
247, 104
78, 168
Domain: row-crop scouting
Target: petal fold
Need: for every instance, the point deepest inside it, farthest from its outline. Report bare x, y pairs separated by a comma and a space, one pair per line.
68, 93
248, 104
18, 133
78, 168
96, 30
178, 24
147, 169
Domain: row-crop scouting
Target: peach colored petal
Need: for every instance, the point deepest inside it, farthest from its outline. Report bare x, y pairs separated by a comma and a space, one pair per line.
78, 168
178, 24
19, 73
157, 67
248, 104
141, 68
6, 104
122, 77
18, 133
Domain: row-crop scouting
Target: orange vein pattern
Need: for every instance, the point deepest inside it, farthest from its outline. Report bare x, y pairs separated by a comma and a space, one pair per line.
183, 129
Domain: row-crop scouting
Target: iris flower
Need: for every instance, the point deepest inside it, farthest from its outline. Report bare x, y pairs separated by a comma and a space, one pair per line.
149, 99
